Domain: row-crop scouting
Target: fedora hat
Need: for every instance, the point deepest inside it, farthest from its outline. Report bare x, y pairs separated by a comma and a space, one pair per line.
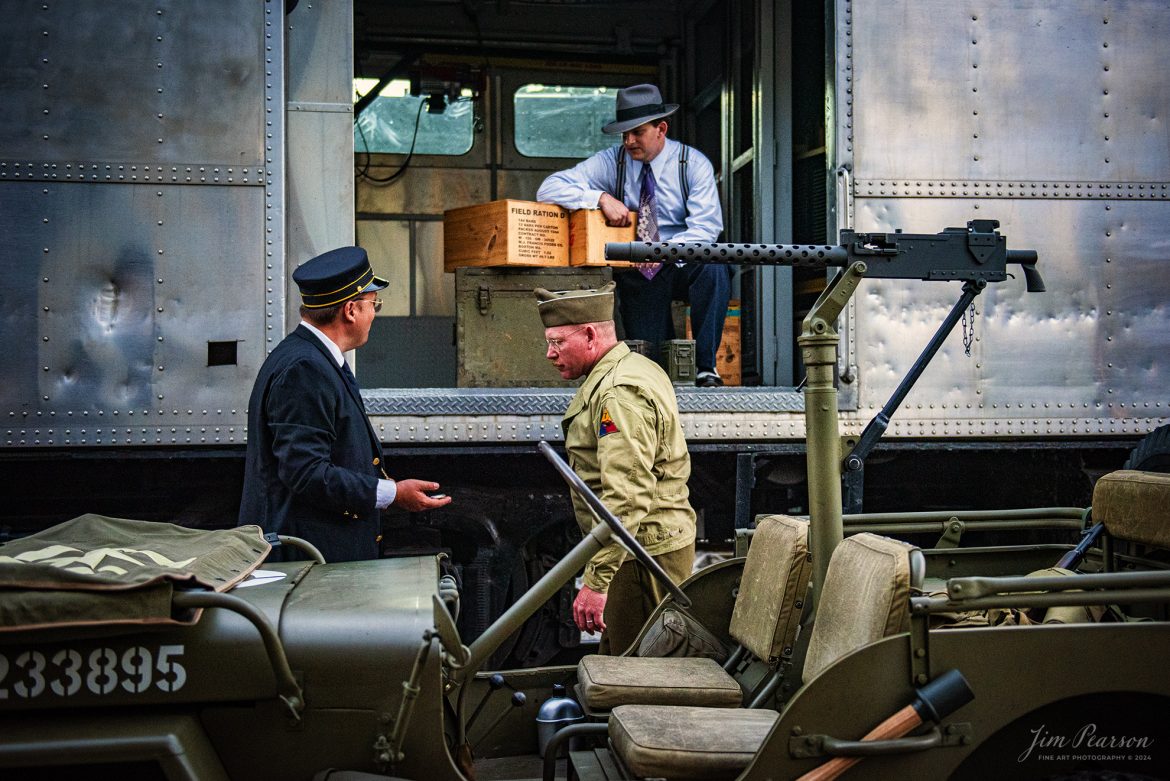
638, 105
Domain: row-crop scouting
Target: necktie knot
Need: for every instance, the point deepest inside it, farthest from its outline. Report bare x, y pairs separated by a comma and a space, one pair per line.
649, 185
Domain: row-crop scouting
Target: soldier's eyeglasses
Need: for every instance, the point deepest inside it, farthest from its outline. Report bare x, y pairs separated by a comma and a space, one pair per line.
377, 302
557, 344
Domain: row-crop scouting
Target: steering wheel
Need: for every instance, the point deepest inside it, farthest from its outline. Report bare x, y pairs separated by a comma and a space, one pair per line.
615, 526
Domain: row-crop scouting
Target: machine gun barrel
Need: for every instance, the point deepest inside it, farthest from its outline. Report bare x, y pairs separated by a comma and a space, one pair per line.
805, 255
976, 253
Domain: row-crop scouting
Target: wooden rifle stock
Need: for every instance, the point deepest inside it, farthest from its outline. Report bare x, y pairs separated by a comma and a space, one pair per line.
896, 726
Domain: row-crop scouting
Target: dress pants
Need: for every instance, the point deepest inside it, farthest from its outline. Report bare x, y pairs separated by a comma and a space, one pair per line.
645, 305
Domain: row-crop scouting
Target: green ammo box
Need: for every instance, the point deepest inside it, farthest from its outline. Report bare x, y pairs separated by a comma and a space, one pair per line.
639, 346
677, 357
499, 339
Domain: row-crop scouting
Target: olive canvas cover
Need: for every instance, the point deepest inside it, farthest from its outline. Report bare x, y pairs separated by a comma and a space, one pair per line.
97, 571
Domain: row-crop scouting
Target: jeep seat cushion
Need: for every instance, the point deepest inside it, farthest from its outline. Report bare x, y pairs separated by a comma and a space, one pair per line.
688, 743
609, 681
1134, 506
866, 597
771, 595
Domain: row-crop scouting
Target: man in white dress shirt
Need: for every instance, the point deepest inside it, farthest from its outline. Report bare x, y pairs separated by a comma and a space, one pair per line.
671, 189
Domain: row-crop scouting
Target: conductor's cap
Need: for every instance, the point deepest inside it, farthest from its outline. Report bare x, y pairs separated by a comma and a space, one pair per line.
335, 277
575, 307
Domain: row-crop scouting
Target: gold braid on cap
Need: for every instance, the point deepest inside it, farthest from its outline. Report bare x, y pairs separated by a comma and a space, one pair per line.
358, 284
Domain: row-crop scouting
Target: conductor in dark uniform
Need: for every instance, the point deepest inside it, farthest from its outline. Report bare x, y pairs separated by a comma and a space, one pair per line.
314, 466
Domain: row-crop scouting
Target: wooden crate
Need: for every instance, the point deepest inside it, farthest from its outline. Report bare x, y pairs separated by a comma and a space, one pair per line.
588, 234
505, 233
728, 361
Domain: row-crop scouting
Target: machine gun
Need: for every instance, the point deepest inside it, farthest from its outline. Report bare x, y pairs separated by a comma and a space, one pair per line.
972, 254
975, 255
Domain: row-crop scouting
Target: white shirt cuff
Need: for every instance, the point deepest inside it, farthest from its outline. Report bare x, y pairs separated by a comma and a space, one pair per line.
387, 490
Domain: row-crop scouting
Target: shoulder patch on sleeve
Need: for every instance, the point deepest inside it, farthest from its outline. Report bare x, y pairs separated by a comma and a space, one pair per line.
607, 426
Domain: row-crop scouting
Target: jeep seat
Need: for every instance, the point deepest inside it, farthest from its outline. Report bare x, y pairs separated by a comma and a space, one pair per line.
1134, 506
866, 597
655, 741
765, 621
609, 681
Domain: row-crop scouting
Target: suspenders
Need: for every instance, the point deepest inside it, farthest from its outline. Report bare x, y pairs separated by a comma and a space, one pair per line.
619, 191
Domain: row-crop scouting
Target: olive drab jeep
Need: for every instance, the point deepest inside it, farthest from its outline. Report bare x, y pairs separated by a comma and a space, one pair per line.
296, 668
829, 646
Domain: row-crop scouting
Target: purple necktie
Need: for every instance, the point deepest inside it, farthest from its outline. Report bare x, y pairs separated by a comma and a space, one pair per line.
648, 216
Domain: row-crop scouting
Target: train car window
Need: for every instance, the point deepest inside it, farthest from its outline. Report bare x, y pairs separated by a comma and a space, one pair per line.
562, 120
400, 123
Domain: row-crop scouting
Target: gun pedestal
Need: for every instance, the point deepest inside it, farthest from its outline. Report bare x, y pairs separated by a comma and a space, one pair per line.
818, 349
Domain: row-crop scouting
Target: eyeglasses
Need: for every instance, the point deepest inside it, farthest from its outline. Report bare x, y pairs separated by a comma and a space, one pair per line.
557, 344
377, 302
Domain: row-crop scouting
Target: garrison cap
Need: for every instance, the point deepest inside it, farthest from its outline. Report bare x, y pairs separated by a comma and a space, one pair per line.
336, 276
575, 307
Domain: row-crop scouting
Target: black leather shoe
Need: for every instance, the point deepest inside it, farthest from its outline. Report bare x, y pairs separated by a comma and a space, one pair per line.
708, 378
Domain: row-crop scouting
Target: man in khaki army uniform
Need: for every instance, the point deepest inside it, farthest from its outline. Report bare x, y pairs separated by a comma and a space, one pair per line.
623, 438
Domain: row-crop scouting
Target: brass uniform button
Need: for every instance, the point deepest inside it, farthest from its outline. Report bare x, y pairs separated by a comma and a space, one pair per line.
377, 461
